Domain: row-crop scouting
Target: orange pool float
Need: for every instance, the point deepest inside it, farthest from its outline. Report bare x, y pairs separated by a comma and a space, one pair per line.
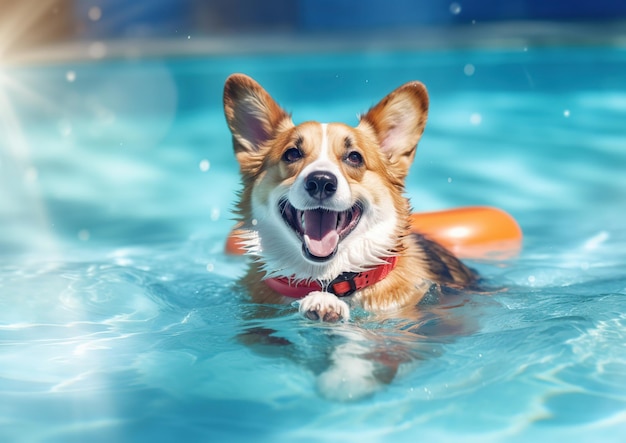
478, 232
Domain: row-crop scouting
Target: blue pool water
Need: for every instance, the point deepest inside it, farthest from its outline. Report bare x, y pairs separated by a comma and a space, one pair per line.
120, 319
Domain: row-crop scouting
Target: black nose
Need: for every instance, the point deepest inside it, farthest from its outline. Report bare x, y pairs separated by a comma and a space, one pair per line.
321, 184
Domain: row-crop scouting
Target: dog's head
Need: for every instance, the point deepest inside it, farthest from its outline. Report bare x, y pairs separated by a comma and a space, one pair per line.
322, 199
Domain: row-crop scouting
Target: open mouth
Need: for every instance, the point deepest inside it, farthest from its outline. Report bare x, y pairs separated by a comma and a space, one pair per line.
320, 230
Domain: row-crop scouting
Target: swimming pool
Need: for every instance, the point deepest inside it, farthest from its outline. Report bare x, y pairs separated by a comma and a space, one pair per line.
119, 317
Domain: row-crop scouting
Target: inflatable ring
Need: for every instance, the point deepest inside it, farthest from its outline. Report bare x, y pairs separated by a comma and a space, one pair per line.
477, 232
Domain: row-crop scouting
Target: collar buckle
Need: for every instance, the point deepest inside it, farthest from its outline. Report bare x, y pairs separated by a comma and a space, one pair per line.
344, 285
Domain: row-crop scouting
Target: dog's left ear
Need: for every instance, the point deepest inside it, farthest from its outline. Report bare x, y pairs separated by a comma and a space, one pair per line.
398, 121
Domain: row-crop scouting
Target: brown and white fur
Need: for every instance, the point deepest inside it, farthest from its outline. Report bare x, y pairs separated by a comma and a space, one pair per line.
368, 165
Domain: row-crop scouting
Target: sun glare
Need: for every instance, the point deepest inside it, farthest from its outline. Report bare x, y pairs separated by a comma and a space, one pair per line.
22, 193
26, 23
21, 24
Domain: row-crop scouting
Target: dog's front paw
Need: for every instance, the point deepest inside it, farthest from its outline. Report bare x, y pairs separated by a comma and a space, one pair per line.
324, 306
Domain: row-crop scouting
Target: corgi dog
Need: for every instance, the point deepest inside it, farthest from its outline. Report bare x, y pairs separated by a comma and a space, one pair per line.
323, 206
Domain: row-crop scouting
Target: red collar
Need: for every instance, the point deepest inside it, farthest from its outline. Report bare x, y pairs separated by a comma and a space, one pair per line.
344, 285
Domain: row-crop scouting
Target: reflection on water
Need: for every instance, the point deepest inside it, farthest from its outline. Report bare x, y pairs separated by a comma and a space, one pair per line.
110, 348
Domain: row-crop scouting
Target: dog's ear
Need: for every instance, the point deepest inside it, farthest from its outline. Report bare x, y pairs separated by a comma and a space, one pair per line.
252, 115
398, 121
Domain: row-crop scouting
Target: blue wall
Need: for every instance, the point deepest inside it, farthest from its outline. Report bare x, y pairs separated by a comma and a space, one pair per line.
170, 17
342, 14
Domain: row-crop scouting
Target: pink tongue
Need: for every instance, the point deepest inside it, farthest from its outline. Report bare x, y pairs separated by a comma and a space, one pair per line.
320, 232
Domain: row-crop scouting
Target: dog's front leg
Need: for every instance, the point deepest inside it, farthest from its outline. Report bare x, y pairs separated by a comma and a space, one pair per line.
324, 306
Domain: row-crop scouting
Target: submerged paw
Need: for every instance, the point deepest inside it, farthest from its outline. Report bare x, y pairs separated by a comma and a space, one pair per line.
329, 316
324, 306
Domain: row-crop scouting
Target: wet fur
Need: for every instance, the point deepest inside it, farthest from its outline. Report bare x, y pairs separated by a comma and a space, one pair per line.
262, 131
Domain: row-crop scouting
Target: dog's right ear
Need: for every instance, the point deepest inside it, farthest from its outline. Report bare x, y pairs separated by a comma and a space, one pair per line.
253, 116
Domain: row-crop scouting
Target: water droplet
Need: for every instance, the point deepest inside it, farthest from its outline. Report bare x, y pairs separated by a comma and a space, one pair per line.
204, 165
83, 235
94, 13
188, 37
455, 8
449, 179
476, 119
215, 214
531, 279
210, 267
469, 69
254, 222
70, 76
566, 113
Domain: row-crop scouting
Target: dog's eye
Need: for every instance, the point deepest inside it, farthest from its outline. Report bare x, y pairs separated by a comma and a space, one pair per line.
354, 158
292, 155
